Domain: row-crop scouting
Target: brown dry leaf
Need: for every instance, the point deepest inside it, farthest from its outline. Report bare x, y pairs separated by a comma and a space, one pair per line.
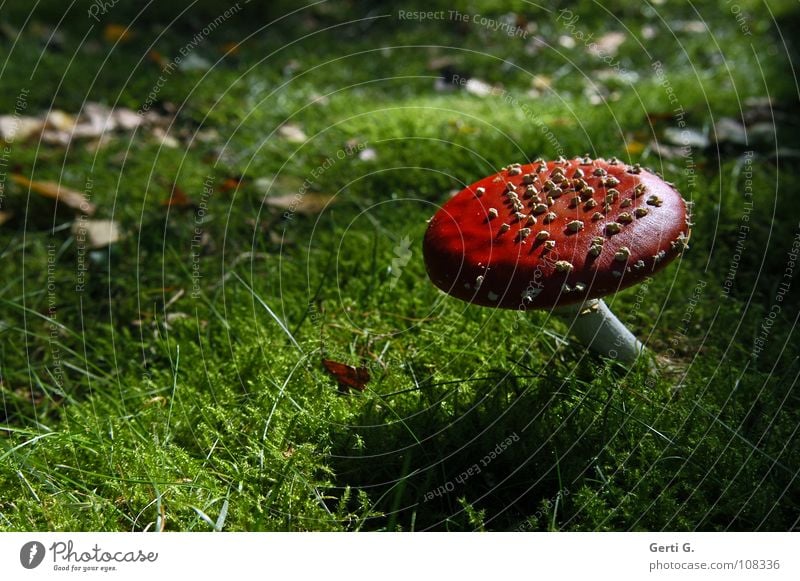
97, 233
561, 122
659, 116
230, 48
308, 203
347, 376
230, 184
158, 58
70, 198
5, 217
178, 198
117, 33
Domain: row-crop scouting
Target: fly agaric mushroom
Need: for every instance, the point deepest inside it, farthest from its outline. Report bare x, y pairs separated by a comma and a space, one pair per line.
558, 235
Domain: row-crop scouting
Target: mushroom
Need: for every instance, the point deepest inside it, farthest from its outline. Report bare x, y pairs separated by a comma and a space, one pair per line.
567, 261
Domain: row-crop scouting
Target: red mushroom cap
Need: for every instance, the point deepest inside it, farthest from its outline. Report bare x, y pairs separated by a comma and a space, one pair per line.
554, 233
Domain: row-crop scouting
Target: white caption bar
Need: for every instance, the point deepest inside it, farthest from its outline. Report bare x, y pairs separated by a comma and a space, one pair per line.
389, 556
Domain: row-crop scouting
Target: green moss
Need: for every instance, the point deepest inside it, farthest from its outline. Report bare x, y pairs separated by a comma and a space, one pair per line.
119, 413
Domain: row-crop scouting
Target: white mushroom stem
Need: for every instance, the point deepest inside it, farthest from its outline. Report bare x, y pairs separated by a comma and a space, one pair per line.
594, 325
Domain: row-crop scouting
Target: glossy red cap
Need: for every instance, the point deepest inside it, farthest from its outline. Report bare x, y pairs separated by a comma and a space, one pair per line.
554, 233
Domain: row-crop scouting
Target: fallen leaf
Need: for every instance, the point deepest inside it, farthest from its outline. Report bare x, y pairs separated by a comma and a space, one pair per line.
612, 75
649, 32
59, 120
95, 120
686, 136
96, 233
58, 127
230, 184
634, 147
158, 58
566, 41
164, 138
562, 122
478, 87
230, 48
117, 33
607, 45
347, 376
597, 94
194, 62
308, 203
176, 316
5, 217
277, 239
541, 82
13, 127
691, 26
70, 198
292, 133
728, 130
209, 135
271, 185
178, 199
668, 151
440, 62
315, 99
127, 119
758, 109
762, 134
659, 116
98, 143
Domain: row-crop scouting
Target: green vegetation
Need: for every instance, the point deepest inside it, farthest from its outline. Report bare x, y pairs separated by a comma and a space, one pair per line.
174, 380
